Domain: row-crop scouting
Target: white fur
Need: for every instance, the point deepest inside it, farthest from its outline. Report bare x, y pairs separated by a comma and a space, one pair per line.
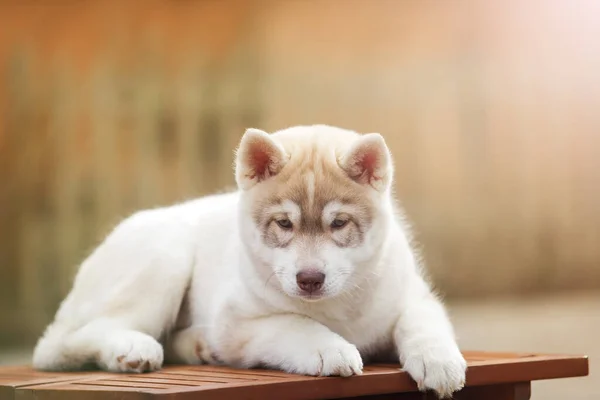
128, 294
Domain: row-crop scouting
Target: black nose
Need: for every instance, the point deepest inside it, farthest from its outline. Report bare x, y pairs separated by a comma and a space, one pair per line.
310, 280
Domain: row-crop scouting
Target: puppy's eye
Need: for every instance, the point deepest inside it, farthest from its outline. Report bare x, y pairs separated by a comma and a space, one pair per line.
284, 223
338, 223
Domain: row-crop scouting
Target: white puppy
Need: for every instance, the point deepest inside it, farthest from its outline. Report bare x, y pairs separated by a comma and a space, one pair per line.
306, 268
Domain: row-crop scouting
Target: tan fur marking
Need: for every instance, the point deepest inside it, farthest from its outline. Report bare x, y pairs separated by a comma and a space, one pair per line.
311, 179
310, 187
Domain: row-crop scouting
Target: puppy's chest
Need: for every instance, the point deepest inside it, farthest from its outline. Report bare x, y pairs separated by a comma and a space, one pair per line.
364, 329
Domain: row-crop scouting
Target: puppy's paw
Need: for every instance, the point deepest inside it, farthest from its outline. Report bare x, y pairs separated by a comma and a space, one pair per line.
130, 351
188, 346
436, 367
336, 357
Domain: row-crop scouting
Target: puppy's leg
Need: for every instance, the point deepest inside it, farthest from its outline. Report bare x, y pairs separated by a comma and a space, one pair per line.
426, 344
289, 342
126, 295
187, 346
116, 349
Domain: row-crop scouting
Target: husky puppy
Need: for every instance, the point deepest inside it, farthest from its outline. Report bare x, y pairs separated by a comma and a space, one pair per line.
306, 268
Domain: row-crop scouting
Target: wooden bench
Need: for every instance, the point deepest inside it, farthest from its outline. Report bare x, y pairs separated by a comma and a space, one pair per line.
490, 376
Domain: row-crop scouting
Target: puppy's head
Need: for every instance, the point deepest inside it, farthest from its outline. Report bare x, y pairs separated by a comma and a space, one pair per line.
315, 206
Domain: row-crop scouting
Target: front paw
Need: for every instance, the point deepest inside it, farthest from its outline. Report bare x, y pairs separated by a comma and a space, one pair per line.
437, 367
332, 358
130, 351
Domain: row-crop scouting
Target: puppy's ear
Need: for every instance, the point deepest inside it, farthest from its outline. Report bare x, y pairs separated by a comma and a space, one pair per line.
258, 158
368, 162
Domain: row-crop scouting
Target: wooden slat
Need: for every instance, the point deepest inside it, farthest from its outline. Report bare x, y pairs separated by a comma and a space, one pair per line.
483, 355
232, 372
183, 380
126, 384
214, 382
224, 374
12, 378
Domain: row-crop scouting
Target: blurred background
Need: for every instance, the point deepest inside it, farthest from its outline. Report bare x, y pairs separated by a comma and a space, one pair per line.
491, 109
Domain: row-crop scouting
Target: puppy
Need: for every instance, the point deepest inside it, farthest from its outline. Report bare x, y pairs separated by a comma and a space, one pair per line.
306, 268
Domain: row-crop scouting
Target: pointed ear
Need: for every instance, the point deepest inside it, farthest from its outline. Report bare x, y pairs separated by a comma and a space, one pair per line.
258, 157
368, 162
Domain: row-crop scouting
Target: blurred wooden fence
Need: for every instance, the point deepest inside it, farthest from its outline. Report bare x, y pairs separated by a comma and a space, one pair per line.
107, 107
89, 138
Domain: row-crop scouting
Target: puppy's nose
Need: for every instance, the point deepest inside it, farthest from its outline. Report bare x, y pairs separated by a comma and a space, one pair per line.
310, 280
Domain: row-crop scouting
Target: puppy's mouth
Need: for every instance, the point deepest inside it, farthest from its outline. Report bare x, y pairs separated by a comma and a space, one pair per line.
311, 297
